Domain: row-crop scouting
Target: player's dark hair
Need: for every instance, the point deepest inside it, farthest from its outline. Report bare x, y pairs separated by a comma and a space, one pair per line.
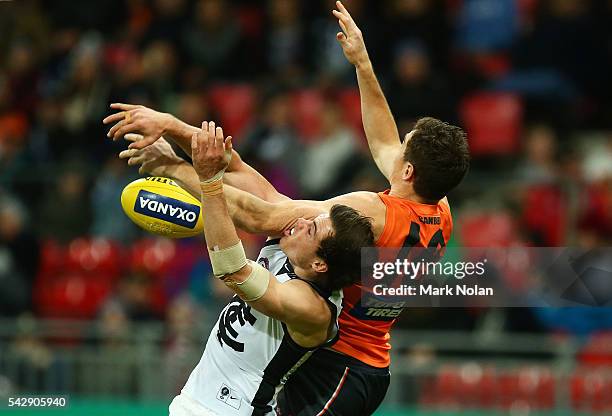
440, 156
341, 251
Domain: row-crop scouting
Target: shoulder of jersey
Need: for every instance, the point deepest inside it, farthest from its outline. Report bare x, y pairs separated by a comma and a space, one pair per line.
160, 206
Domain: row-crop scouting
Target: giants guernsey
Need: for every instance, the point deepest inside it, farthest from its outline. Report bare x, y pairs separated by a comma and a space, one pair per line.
249, 355
365, 319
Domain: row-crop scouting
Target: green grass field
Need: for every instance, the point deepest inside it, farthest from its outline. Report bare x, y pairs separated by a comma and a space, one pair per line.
79, 407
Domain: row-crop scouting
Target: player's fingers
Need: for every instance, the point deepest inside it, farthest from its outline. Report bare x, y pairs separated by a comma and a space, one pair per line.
343, 26
194, 145
141, 170
228, 144
123, 106
113, 132
114, 128
341, 37
343, 9
219, 137
123, 130
133, 137
133, 161
141, 144
349, 21
204, 134
211, 132
114, 118
124, 154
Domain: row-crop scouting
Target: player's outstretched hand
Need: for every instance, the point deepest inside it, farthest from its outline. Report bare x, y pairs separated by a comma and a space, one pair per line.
211, 153
350, 38
139, 119
156, 159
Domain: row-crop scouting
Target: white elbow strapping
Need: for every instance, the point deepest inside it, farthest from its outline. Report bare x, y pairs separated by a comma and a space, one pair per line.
255, 286
228, 260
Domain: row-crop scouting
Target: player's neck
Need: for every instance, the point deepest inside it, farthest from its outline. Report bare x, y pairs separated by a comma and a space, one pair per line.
406, 191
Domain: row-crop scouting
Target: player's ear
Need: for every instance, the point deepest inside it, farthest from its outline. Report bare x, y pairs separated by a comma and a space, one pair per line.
319, 266
408, 172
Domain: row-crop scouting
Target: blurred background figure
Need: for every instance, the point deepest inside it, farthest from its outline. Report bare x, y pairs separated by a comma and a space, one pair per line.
19, 251
330, 160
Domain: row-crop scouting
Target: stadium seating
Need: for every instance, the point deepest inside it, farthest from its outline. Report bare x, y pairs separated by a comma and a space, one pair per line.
493, 122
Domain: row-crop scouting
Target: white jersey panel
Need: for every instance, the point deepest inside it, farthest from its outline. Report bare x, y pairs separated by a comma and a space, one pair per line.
247, 351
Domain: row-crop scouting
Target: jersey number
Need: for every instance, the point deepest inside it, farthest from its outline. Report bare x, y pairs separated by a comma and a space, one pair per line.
413, 238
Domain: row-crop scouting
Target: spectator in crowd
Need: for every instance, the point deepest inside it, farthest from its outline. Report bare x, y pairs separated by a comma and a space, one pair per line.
109, 221
539, 164
167, 17
212, 39
38, 369
159, 63
285, 40
13, 149
65, 211
272, 145
330, 160
424, 21
329, 62
416, 89
19, 253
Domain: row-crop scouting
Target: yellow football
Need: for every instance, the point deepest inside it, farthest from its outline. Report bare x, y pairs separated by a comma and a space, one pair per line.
162, 207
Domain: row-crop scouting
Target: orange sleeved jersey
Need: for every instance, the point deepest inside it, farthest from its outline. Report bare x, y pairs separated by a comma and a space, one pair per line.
366, 319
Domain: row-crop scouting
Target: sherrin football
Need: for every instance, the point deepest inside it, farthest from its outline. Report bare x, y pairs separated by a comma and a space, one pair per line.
162, 207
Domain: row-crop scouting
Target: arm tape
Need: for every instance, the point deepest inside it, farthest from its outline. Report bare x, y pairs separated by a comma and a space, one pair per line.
228, 260
255, 286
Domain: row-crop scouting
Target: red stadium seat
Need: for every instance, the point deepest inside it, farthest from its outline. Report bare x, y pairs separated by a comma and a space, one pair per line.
71, 295
447, 386
152, 256
307, 105
52, 258
235, 105
492, 65
95, 257
493, 122
486, 230
598, 350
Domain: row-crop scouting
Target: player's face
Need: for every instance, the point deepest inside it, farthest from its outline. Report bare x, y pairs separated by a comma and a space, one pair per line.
301, 242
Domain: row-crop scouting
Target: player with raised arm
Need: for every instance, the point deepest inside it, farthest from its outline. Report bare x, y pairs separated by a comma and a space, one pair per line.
286, 303
432, 159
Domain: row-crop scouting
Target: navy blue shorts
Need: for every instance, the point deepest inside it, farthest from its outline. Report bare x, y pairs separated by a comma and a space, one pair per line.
333, 384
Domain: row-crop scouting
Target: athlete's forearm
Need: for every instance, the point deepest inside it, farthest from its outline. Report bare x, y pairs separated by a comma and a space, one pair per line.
245, 177
219, 229
255, 215
238, 174
378, 122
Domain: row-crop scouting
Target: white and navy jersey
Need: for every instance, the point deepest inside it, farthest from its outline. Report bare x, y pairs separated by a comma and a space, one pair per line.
249, 355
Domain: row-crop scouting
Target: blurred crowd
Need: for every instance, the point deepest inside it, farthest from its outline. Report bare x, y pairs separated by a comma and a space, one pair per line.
528, 79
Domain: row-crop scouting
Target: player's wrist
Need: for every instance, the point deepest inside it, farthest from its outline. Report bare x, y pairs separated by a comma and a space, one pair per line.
363, 64
169, 124
211, 186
